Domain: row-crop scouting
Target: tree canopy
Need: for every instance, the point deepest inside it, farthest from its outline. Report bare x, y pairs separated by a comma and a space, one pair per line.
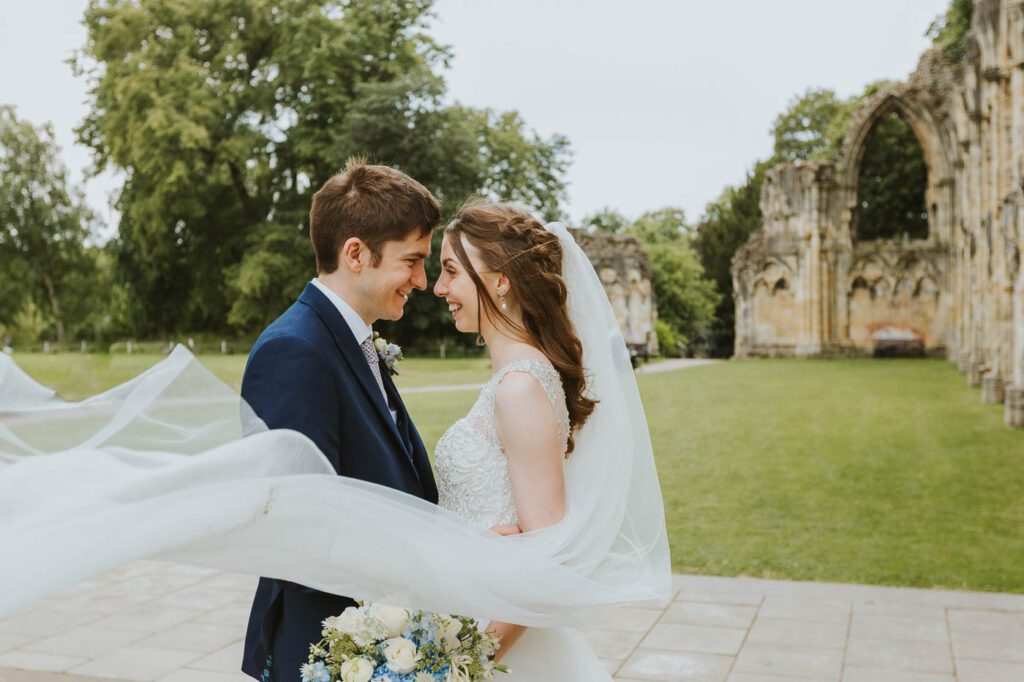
949, 30
44, 225
225, 116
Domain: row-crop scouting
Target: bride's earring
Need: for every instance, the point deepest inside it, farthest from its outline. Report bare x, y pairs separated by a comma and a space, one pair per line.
504, 306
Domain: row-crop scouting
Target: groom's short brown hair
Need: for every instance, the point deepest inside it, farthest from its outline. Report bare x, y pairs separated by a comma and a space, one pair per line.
377, 204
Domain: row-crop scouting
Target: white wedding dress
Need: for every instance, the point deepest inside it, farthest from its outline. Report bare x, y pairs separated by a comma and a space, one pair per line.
473, 482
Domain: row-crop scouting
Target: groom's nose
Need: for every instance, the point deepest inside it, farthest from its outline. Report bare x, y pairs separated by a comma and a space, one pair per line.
419, 277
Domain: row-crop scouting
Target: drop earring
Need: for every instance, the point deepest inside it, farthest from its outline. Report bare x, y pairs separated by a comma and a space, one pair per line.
504, 306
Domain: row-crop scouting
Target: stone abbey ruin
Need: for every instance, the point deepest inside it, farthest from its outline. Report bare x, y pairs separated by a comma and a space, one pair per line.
806, 285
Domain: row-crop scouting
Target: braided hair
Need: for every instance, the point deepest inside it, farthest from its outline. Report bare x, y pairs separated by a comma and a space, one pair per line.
514, 243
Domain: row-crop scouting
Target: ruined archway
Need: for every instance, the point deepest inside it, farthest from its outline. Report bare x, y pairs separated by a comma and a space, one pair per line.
959, 289
891, 184
897, 110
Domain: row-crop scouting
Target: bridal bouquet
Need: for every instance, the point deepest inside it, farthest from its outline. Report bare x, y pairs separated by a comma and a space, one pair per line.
381, 643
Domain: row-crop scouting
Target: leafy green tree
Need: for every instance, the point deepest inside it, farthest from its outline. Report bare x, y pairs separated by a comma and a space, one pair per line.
606, 221
662, 226
726, 224
814, 124
949, 30
801, 132
43, 227
518, 165
686, 299
227, 115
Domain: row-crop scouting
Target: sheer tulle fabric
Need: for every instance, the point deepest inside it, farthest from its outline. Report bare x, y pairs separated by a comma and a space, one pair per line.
174, 466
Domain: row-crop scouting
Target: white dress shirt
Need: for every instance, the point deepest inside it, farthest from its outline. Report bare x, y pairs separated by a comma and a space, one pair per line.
360, 330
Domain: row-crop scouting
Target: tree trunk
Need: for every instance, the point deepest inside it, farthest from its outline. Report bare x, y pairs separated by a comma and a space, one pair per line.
51, 292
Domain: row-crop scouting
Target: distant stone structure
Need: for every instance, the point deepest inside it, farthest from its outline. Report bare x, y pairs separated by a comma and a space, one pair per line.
625, 271
805, 286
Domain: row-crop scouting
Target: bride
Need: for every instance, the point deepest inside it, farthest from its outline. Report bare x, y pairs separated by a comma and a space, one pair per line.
174, 466
502, 465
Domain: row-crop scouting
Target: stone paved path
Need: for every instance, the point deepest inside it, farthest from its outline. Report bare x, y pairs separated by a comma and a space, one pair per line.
169, 623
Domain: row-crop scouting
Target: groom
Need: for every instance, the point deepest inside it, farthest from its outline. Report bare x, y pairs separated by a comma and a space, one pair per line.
315, 370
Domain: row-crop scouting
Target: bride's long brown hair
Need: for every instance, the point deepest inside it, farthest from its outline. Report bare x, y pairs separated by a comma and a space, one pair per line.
514, 243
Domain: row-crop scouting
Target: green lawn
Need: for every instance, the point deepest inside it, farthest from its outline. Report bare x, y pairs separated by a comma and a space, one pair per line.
886, 472
77, 376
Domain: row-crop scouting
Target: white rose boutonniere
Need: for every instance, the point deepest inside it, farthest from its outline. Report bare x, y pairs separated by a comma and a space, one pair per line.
390, 353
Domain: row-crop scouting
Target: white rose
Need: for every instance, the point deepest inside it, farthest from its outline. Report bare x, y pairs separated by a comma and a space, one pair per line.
452, 628
401, 655
348, 623
379, 344
395, 618
356, 670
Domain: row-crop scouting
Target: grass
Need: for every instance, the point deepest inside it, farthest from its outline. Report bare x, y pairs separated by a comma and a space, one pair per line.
78, 376
884, 472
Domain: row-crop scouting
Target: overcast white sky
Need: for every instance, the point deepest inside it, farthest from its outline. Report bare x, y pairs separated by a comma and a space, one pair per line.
665, 102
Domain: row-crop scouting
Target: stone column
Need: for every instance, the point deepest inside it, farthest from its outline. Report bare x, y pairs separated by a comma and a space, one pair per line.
991, 388
974, 373
963, 361
1013, 409
811, 292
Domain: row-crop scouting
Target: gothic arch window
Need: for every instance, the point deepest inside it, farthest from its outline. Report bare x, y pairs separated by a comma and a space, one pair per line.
891, 184
926, 288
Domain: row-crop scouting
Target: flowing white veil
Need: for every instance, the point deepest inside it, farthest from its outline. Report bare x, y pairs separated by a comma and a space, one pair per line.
173, 465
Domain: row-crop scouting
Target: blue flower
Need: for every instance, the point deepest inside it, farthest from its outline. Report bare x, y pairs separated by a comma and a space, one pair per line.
316, 672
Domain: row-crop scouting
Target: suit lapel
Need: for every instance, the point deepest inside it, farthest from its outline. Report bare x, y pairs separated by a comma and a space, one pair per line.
418, 456
353, 354
396, 401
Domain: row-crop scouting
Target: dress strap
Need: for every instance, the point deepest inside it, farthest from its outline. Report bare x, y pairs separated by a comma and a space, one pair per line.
541, 370
550, 380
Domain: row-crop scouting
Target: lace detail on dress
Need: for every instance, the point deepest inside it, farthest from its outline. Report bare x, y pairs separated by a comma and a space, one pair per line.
472, 472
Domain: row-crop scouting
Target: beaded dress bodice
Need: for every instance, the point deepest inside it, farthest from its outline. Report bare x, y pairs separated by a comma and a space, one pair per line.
472, 472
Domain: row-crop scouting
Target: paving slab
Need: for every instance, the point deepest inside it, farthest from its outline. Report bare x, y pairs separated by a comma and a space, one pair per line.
157, 622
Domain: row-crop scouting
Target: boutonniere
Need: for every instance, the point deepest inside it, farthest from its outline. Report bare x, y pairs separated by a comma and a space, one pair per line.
388, 352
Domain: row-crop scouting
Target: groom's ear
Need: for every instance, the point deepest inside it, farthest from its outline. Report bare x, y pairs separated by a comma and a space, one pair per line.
354, 255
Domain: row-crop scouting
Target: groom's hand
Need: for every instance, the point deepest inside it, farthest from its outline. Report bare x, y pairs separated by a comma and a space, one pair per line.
506, 530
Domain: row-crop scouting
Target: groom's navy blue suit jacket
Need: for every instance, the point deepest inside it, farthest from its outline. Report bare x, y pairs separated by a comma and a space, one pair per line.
306, 372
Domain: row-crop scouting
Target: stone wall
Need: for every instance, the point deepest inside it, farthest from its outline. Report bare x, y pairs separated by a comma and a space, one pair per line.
626, 272
804, 287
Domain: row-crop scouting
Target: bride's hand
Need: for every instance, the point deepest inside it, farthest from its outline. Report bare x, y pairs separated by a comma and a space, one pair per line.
507, 634
505, 531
